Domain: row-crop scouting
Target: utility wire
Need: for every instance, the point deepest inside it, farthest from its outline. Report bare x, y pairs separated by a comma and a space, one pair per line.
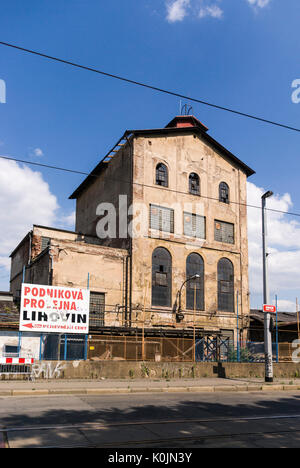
72, 171
153, 88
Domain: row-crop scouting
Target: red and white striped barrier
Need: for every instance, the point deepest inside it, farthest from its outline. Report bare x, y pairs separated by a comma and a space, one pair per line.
16, 360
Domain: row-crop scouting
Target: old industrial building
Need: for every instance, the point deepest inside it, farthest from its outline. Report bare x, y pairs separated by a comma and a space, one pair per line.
160, 237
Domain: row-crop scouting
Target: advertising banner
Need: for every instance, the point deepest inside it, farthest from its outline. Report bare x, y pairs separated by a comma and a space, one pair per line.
54, 309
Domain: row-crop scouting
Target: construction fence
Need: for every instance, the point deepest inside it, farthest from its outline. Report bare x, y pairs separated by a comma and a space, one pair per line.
163, 349
135, 346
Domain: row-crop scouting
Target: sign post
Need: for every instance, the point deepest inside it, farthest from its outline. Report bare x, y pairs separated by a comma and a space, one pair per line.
268, 310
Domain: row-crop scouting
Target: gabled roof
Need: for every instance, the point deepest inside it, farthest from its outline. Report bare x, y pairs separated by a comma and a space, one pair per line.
180, 125
283, 317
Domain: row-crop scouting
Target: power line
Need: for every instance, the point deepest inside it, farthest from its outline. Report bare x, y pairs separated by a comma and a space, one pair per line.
148, 86
72, 171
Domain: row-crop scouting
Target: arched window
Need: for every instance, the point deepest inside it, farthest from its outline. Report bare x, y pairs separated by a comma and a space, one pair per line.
225, 285
223, 192
194, 184
161, 177
195, 287
161, 277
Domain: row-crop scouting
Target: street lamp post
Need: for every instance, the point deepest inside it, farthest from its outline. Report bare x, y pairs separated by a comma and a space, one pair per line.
179, 315
267, 318
178, 312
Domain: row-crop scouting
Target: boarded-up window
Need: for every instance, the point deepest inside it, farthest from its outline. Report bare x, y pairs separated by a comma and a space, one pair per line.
45, 243
195, 287
225, 285
161, 277
97, 309
161, 218
194, 225
194, 184
161, 176
224, 232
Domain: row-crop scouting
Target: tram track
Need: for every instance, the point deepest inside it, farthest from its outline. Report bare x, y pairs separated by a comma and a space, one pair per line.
156, 439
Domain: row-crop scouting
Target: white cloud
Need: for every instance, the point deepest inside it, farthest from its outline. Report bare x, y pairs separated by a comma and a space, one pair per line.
35, 153
214, 11
68, 221
25, 199
177, 10
38, 152
259, 3
283, 245
286, 306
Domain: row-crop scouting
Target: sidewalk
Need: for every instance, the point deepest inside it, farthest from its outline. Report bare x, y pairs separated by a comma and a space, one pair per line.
109, 387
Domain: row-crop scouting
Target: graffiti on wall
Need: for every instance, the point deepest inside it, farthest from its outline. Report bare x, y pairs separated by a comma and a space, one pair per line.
47, 370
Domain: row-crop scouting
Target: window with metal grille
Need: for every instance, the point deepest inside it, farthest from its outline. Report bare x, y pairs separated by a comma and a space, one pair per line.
225, 285
161, 175
194, 225
161, 277
195, 287
224, 232
97, 309
223, 192
194, 184
45, 243
161, 218
63, 347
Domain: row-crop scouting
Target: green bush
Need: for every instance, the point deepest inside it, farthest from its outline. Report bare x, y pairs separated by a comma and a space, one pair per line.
245, 355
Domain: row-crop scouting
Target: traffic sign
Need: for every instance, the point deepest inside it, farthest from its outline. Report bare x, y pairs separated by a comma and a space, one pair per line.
269, 308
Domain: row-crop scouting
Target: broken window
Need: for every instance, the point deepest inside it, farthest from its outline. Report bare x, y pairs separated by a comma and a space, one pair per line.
194, 184
225, 285
161, 277
223, 192
195, 287
162, 175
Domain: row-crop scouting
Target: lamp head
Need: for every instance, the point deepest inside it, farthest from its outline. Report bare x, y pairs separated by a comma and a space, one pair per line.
267, 194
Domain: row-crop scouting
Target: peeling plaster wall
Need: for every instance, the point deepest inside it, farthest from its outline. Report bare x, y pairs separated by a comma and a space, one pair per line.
72, 262
18, 260
183, 155
113, 181
29, 343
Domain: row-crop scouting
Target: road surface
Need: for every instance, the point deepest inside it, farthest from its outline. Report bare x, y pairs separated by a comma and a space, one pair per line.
154, 420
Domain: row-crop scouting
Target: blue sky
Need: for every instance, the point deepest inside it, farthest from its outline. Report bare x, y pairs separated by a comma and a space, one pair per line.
236, 53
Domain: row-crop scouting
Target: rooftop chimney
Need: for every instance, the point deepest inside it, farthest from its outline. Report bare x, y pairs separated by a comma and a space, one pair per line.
181, 121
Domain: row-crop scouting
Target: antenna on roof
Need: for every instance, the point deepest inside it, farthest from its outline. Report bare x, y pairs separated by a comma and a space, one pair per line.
186, 109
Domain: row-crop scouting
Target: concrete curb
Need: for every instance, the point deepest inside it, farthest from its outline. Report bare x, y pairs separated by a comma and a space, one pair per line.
114, 391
